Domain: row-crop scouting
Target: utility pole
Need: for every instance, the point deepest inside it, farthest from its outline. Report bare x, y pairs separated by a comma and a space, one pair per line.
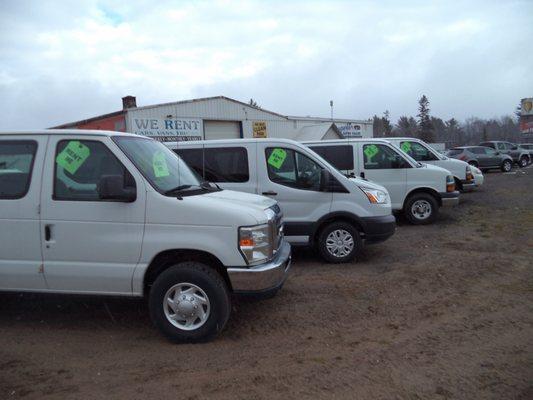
331, 105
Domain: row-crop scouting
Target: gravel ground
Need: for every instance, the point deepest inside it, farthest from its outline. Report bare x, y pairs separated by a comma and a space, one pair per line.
442, 312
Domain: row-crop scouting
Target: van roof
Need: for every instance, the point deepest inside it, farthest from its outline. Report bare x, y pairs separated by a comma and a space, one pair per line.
233, 141
66, 132
347, 140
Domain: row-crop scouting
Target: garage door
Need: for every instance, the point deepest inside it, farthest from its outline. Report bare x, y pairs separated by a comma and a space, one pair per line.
222, 130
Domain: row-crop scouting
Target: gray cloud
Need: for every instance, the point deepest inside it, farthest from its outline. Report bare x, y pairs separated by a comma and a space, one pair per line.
65, 61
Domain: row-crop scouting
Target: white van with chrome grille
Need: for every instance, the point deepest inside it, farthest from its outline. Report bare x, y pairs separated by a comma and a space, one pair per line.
322, 208
108, 213
418, 190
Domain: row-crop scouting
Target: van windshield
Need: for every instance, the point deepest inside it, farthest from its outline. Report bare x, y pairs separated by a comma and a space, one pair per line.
165, 171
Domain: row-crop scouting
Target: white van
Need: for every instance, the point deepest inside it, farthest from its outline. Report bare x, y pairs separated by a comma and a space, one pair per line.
320, 205
107, 213
424, 153
418, 190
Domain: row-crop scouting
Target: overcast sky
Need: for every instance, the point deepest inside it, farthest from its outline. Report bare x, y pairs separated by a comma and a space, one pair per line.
63, 61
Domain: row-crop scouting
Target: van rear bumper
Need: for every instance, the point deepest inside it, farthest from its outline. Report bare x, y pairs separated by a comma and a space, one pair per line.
378, 229
263, 279
449, 199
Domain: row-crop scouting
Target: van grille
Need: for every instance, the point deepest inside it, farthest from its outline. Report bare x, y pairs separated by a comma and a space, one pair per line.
276, 228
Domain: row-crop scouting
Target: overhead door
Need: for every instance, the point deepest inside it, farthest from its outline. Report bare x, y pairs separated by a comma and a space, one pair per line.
222, 130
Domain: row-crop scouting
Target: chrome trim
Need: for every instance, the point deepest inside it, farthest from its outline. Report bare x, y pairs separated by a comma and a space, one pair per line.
265, 276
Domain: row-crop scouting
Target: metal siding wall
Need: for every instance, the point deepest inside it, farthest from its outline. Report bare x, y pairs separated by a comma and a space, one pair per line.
222, 109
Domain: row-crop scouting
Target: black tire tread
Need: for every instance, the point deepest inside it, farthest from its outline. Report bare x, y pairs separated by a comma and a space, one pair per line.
358, 242
169, 277
419, 196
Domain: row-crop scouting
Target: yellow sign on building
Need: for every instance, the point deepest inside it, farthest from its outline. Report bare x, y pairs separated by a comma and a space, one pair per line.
259, 129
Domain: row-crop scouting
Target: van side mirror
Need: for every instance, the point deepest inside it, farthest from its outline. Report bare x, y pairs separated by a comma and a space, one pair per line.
325, 179
112, 187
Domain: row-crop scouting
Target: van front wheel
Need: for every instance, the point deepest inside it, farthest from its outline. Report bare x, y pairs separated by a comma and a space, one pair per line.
421, 209
339, 242
189, 302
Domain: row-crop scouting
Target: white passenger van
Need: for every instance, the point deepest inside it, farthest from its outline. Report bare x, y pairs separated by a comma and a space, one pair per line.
422, 152
416, 189
320, 205
107, 213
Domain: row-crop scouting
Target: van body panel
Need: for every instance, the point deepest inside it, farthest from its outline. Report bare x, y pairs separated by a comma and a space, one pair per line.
302, 208
20, 231
400, 181
91, 239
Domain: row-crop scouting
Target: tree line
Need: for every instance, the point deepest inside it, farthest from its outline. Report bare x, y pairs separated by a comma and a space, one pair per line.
452, 132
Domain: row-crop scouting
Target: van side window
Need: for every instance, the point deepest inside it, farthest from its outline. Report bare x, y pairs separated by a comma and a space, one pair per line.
380, 156
194, 158
291, 168
223, 164
79, 165
341, 157
501, 146
417, 151
16, 165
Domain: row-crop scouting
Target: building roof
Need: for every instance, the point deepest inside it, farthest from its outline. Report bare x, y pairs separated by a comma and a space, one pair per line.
205, 99
324, 119
88, 120
123, 112
317, 132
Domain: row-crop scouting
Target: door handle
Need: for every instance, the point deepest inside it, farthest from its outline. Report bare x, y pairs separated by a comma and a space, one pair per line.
270, 193
362, 175
47, 233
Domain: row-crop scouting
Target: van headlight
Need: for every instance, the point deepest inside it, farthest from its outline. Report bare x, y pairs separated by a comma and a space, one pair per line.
255, 243
375, 196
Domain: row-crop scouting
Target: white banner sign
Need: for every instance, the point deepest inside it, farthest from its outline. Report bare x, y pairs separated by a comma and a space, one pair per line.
169, 129
350, 130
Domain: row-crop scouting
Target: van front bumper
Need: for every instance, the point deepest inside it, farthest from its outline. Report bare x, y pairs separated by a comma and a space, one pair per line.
263, 279
378, 229
449, 199
468, 186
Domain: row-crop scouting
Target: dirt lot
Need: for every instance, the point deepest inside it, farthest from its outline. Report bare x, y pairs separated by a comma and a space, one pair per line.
442, 311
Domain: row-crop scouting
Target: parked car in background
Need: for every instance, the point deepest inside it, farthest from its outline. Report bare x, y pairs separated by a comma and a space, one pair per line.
529, 148
418, 190
520, 156
108, 213
424, 153
482, 157
322, 208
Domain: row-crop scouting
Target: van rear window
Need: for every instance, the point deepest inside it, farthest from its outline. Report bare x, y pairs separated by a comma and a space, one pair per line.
223, 164
341, 157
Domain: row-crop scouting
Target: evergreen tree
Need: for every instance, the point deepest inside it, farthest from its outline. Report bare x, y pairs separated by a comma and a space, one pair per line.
406, 126
454, 133
378, 128
425, 127
253, 103
387, 127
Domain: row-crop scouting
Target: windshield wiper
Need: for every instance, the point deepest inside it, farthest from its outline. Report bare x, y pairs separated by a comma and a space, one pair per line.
179, 188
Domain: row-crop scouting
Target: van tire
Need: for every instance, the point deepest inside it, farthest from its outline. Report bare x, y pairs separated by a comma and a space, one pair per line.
506, 166
344, 231
427, 202
208, 285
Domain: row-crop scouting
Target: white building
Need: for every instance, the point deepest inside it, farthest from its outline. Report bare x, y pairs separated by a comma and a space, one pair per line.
221, 118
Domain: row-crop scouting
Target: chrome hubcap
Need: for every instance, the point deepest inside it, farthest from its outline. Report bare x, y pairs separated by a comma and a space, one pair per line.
186, 306
421, 209
339, 243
